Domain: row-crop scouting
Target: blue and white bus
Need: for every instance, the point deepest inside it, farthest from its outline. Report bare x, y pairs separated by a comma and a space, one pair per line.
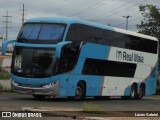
76, 58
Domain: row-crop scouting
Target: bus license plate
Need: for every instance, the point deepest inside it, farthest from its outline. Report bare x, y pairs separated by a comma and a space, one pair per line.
29, 91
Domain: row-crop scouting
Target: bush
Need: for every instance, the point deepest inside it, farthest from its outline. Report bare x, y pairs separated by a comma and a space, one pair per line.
1, 88
4, 75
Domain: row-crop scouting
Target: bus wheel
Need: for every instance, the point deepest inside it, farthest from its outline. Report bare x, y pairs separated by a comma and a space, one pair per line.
39, 96
141, 92
133, 93
80, 91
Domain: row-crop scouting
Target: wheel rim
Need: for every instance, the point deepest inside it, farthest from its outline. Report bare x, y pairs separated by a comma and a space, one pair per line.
133, 93
141, 92
78, 92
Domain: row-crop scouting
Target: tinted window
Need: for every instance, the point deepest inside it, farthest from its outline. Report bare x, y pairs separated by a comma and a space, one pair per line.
41, 33
141, 44
30, 31
108, 68
51, 32
113, 39
35, 62
69, 57
79, 33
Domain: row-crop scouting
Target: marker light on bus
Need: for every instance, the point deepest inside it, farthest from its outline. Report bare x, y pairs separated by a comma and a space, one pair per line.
50, 84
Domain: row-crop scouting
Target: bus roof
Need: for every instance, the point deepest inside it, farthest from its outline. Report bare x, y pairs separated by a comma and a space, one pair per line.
69, 21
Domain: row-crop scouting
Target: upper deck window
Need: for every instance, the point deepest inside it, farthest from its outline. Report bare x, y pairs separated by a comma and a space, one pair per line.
41, 33
92, 34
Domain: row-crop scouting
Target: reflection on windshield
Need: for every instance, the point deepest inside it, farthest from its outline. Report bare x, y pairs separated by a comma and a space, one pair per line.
37, 62
42, 31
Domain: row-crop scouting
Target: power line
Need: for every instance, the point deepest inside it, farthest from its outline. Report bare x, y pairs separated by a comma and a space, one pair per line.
7, 24
106, 12
96, 7
92, 7
137, 18
130, 20
125, 8
100, 17
84, 9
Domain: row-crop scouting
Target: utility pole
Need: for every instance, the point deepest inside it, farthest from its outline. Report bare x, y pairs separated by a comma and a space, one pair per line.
1, 39
7, 24
23, 14
127, 20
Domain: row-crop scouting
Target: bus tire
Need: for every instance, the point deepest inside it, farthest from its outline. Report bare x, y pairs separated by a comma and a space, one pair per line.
39, 96
80, 91
133, 94
141, 92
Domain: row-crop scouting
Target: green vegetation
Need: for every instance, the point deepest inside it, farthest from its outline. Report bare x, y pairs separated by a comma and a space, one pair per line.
92, 108
4, 75
1, 88
150, 24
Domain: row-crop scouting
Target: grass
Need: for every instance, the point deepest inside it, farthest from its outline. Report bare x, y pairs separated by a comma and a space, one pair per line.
4, 75
1, 88
93, 108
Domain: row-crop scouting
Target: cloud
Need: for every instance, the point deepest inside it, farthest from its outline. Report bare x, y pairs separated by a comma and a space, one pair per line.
108, 11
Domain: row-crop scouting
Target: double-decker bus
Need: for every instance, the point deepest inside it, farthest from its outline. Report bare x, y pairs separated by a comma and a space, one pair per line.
76, 58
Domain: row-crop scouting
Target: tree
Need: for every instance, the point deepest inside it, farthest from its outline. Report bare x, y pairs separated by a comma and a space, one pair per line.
150, 25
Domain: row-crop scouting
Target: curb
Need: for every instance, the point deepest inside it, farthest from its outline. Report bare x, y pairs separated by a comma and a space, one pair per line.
53, 113
67, 113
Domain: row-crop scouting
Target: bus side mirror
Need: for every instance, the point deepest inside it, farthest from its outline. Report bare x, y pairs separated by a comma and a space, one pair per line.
5, 44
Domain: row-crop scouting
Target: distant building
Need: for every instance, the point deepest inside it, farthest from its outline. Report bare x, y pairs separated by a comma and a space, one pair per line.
5, 63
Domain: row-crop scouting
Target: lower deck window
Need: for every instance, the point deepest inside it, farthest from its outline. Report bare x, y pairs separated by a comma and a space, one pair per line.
108, 68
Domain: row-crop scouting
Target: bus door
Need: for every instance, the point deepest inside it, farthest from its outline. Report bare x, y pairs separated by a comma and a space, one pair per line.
67, 61
63, 86
110, 85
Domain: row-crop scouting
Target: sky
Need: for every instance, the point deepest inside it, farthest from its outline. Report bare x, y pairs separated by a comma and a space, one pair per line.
107, 12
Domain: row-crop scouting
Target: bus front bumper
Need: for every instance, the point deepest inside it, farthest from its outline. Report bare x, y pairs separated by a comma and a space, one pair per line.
49, 91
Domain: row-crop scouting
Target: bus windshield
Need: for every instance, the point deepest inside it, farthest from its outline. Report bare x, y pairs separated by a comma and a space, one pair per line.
31, 62
41, 32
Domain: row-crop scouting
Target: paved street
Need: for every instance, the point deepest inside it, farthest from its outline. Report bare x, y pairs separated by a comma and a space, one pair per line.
17, 102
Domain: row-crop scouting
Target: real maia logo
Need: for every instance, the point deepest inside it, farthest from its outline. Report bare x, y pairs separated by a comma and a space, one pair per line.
132, 57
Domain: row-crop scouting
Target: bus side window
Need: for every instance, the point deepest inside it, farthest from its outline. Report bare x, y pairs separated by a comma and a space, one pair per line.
68, 58
108, 68
79, 33
75, 33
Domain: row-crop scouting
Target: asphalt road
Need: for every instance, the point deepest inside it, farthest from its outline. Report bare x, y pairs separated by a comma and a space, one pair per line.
16, 102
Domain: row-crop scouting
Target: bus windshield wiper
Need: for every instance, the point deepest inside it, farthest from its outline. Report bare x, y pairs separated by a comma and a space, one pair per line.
24, 40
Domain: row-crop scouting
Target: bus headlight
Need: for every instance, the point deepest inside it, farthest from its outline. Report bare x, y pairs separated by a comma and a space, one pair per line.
14, 83
50, 84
